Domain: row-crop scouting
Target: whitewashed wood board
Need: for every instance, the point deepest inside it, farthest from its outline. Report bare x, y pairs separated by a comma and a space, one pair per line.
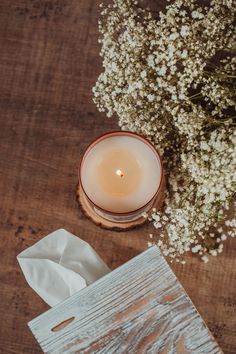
138, 308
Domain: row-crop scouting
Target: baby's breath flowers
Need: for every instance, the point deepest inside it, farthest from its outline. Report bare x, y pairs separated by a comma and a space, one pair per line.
172, 79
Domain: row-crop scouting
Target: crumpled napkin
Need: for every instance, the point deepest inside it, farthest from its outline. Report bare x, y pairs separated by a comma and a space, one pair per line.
59, 265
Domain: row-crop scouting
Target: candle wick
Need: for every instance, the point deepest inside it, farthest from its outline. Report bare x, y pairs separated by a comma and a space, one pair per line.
119, 173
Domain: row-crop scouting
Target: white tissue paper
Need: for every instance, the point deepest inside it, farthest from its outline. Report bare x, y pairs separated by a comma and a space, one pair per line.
59, 265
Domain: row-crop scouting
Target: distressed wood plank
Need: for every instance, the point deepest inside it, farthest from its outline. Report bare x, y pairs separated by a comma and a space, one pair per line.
138, 308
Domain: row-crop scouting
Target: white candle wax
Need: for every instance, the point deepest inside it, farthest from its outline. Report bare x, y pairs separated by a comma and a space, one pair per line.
121, 173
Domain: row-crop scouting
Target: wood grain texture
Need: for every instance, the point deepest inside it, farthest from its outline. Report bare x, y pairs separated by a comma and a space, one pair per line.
138, 308
49, 62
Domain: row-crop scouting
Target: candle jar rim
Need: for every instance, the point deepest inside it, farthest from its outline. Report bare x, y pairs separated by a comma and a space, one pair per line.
117, 133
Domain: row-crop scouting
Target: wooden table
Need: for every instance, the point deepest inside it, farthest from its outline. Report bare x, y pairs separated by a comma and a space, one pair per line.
49, 62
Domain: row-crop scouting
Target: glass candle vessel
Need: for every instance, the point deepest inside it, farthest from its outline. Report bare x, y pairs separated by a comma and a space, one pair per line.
121, 175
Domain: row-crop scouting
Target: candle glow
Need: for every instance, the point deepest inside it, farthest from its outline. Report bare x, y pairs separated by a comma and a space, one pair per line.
121, 172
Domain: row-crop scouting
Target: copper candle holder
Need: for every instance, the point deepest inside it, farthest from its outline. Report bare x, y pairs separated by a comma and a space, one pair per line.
118, 220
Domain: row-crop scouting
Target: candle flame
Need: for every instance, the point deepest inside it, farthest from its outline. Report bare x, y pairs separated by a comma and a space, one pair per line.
119, 173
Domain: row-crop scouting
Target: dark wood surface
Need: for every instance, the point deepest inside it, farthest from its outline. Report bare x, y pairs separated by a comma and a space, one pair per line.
49, 62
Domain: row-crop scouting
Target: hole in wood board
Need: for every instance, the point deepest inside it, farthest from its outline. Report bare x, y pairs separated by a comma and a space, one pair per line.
63, 324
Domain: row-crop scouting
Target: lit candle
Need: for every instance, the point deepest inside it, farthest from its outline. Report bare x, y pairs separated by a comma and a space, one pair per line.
121, 173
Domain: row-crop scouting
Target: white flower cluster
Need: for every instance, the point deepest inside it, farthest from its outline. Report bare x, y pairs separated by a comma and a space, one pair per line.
161, 80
